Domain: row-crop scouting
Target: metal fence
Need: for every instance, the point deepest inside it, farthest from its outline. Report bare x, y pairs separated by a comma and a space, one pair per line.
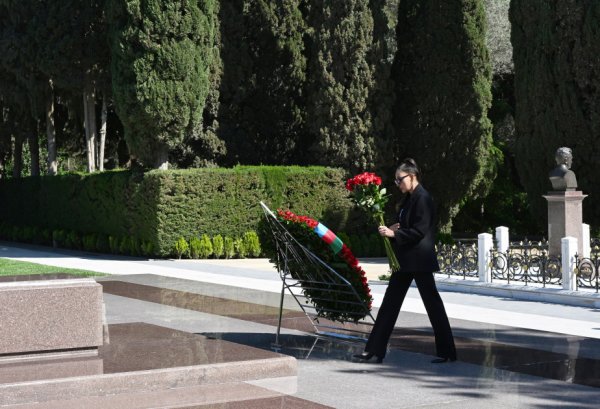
525, 261
459, 259
587, 268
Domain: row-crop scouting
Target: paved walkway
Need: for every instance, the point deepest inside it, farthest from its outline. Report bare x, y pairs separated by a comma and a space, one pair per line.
490, 330
259, 274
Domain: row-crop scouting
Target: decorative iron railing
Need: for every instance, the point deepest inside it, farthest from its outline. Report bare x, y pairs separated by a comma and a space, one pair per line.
587, 268
459, 259
527, 262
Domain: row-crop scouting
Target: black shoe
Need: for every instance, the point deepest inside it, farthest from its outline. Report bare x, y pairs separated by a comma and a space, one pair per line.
442, 360
366, 357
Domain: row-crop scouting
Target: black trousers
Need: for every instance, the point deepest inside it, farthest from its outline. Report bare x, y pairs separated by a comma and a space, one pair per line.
390, 308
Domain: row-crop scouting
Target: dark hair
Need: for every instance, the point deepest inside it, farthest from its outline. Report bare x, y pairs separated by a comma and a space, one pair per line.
409, 166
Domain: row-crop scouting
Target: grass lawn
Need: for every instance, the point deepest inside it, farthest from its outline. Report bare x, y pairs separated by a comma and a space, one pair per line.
15, 268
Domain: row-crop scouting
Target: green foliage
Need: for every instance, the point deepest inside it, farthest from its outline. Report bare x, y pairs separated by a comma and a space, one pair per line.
252, 243
195, 248
443, 92
158, 207
181, 248
89, 242
58, 238
228, 247
556, 47
102, 244
217, 243
240, 247
160, 51
262, 112
113, 244
341, 79
147, 248
205, 247
337, 307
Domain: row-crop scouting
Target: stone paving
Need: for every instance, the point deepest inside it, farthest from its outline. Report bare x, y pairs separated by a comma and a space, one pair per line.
512, 354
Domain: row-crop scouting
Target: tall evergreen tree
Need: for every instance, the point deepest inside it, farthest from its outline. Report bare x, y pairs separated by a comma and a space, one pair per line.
203, 147
22, 40
264, 74
381, 98
341, 79
160, 71
443, 76
557, 89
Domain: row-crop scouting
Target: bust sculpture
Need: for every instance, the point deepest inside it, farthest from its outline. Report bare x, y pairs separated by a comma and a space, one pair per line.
561, 177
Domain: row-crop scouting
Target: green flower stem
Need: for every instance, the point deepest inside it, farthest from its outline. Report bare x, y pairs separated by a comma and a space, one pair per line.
389, 251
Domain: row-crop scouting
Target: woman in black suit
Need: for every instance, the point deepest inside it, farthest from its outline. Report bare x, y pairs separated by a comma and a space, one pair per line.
414, 241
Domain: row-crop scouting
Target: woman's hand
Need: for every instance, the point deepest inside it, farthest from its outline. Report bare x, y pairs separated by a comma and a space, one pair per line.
386, 231
395, 226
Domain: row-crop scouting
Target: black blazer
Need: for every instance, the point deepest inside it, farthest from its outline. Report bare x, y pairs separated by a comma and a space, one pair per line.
415, 240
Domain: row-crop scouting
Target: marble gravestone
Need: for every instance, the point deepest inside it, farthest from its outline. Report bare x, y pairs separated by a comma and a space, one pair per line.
564, 204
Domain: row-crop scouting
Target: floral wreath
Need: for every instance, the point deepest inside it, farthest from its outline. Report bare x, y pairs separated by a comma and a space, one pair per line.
338, 255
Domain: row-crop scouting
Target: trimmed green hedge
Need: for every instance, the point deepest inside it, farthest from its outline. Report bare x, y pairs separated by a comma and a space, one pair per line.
154, 209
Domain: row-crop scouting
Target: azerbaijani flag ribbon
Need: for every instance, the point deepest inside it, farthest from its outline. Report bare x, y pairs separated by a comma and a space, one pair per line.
329, 237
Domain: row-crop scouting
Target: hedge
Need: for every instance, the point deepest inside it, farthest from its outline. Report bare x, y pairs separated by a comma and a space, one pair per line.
154, 209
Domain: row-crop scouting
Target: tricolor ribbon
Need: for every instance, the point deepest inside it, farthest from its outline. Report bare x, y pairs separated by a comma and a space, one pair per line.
329, 237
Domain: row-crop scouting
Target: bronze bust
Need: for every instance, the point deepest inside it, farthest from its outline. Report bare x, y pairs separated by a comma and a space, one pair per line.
561, 177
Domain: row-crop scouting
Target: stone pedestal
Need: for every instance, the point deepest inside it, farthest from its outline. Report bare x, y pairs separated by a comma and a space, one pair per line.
564, 219
48, 316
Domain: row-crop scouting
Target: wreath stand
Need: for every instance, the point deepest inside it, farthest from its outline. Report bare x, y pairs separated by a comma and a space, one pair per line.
300, 269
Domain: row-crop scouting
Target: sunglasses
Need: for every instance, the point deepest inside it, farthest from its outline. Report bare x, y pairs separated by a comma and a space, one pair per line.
399, 180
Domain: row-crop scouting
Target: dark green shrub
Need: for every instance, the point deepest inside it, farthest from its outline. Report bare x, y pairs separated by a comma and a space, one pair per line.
228, 247
59, 238
240, 247
217, 243
113, 244
195, 248
44, 237
73, 240
124, 245
102, 245
27, 234
356, 245
252, 244
161, 206
206, 248
181, 248
147, 248
89, 242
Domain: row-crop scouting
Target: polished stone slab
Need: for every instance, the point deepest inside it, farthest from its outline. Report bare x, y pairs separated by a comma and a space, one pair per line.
569, 365
50, 315
142, 358
227, 396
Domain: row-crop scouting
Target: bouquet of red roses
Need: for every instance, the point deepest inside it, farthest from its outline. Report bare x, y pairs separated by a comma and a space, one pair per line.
368, 195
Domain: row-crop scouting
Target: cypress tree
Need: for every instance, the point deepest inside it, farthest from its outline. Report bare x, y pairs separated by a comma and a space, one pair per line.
160, 71
341, 80
556, 51
443, 79
262, 115
381, 98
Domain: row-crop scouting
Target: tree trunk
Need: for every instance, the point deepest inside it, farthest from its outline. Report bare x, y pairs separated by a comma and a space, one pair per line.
89, 114
162, 159
34, 149
18, 156
51, 132
102, 135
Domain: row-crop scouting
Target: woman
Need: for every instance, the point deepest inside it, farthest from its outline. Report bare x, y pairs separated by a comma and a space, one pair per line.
414, 238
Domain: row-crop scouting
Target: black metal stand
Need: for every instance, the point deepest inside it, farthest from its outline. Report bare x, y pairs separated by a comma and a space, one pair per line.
302, 270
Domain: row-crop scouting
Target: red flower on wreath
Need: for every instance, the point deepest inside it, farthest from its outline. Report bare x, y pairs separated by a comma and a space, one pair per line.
345, 253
